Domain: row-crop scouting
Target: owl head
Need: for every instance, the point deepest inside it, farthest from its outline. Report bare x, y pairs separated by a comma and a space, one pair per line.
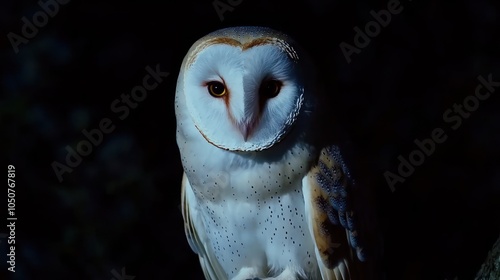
243, 88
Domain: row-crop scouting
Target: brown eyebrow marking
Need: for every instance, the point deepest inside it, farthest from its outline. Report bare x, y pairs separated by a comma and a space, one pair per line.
257, 42
280, 43
222, 40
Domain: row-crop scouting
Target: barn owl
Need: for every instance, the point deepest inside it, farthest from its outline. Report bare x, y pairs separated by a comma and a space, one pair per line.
264, 195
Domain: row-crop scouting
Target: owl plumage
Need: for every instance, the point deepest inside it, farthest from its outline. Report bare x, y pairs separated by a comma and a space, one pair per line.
264, 195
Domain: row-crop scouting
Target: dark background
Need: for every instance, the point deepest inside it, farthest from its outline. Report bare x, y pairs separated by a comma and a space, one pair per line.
119, 208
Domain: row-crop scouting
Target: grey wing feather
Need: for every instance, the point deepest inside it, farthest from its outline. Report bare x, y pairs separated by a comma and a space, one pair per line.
336, 180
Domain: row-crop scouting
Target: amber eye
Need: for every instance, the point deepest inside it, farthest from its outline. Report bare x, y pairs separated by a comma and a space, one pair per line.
216, 89
270, 88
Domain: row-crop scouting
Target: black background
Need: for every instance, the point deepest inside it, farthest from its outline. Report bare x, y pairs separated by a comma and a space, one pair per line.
119, 208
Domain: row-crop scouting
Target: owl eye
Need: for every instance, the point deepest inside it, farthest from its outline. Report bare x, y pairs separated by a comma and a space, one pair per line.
270, 88
216, 89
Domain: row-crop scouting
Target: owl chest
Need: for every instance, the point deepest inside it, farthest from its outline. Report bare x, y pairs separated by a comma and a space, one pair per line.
221, 177
255, 211
257, 220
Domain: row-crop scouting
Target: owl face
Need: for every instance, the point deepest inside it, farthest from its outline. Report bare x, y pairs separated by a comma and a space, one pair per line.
243, 87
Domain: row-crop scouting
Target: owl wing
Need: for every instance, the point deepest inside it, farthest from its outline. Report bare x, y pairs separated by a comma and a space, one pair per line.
331, 217
197, 239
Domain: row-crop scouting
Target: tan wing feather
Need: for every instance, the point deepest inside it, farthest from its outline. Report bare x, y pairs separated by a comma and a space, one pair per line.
336, 258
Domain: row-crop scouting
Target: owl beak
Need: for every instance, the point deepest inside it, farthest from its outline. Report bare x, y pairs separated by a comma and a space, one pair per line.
248, 117
246, 128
